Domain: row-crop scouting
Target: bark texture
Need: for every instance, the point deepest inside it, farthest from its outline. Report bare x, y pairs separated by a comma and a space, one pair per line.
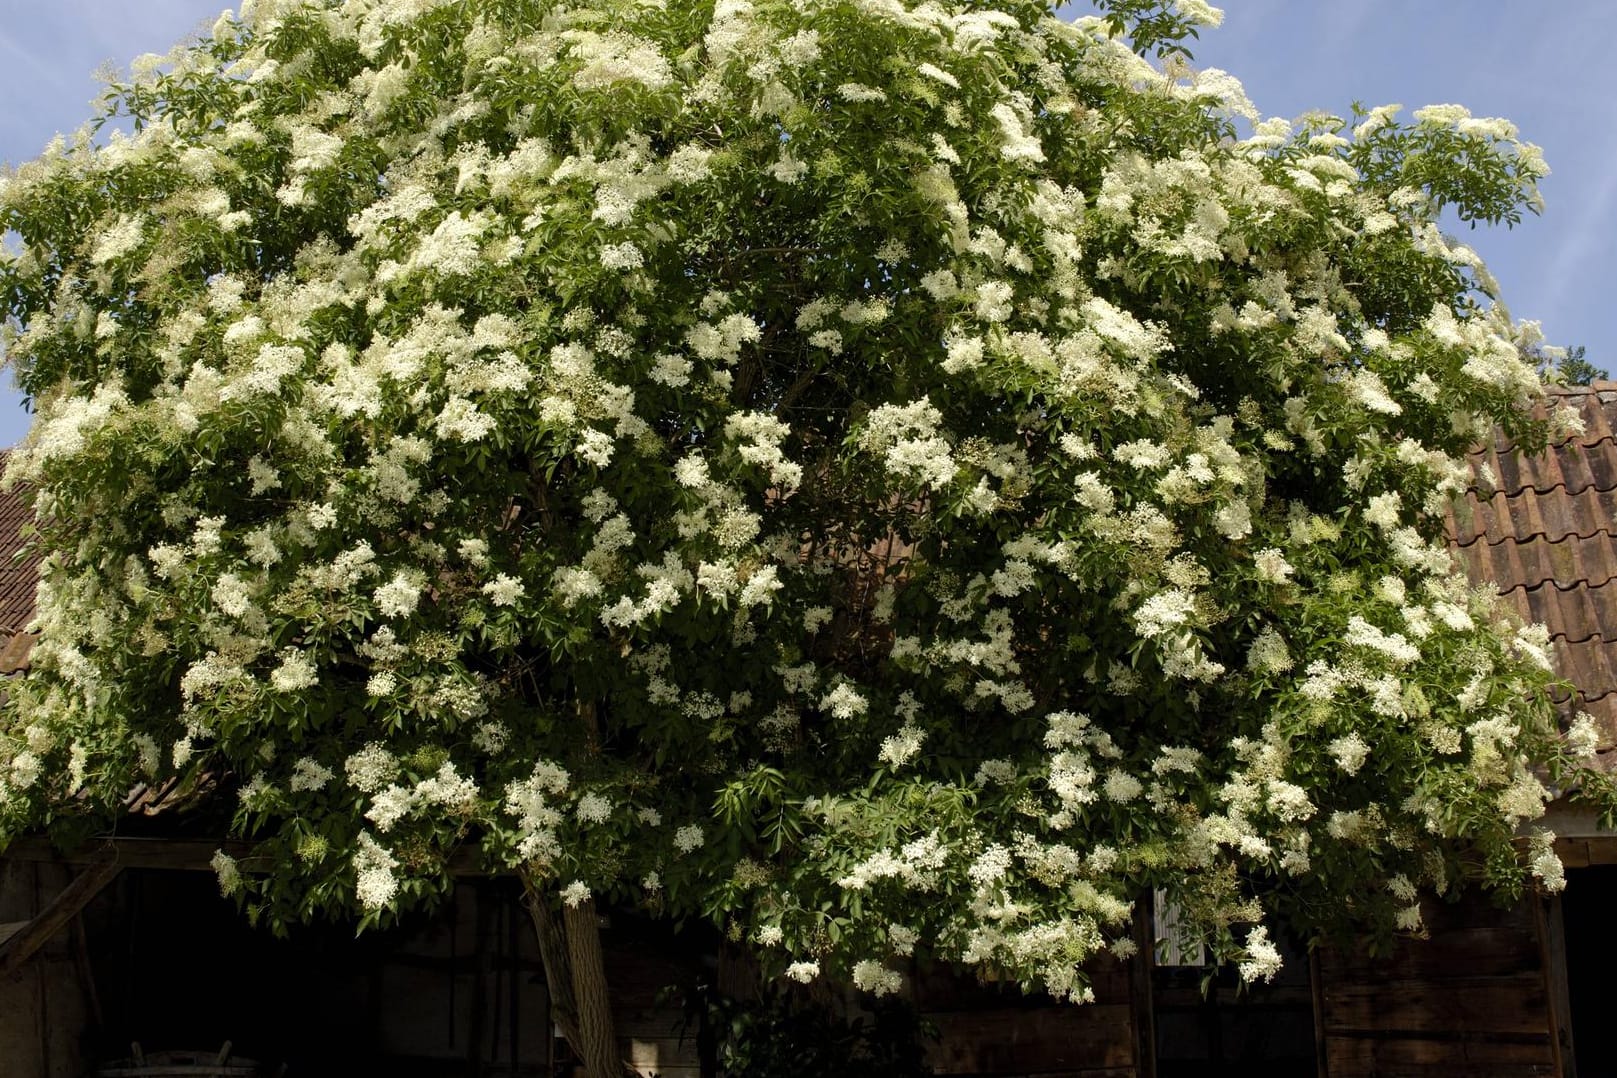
580, 1000
593, 1001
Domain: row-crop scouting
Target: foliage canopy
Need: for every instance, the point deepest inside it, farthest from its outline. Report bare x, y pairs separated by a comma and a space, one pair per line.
881, 476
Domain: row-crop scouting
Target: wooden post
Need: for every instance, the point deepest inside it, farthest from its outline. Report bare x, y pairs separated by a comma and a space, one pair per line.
514, 948
481, 966
1316, 984
1145, 1015
1552, 947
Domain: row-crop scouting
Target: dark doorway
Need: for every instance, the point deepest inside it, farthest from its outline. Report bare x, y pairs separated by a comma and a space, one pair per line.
1591, 949
455, 992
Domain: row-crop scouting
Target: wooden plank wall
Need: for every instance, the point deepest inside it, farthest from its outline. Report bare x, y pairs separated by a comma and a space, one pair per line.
43, 1006
642, 960
993, 1031
444, 992
1470, 1001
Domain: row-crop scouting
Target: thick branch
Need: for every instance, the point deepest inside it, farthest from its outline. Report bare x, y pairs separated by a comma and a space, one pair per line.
553, 953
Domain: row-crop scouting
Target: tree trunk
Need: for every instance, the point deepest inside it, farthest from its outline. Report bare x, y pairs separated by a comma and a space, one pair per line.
570, 948
571, 951
600, 1043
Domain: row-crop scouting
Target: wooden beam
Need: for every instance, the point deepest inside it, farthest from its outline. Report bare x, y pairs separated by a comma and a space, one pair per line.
24, 943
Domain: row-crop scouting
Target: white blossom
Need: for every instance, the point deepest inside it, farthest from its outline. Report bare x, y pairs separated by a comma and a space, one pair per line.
504, 590
1262, 960
803, 972
229, 874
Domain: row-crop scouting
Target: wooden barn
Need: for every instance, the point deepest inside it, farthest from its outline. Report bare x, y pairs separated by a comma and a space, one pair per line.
127, 939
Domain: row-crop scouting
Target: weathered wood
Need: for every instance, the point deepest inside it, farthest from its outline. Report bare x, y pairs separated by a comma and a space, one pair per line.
1463, 952
939, 986
1471, 1000
1573, 852
1514, 1005
198, 1069
1370, 1057
1602, 851
1553, 926
662, 1056
86, 973
22, 944
1575, 822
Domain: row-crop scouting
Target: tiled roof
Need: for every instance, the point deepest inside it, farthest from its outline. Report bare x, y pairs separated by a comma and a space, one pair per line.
17, 579
1546, 538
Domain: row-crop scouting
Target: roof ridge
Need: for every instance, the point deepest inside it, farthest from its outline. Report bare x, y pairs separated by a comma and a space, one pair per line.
1601, 385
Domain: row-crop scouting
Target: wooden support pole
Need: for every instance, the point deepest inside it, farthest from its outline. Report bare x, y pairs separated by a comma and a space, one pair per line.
57, 914
1145, 1015
1551, 928
1316, 985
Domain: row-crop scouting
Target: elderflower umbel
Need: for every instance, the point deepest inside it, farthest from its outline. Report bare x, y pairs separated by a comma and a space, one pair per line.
803, 972
593, 808
504, 590
1350, 752
371, 768
902, 747
878, 980
375, 884
1262, 957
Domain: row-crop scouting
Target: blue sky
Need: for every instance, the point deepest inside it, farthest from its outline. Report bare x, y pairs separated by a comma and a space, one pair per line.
1545, 66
